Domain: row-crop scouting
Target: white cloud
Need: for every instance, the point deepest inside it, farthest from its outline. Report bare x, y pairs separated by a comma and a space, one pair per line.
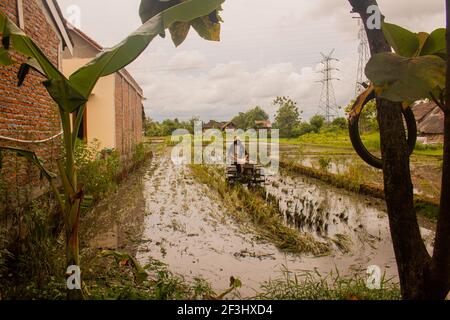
417, 15
232, 88
187, 60
268, 48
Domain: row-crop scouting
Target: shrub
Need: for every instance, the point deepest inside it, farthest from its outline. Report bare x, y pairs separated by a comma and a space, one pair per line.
139, 154
97, 170
29, 271
324, 163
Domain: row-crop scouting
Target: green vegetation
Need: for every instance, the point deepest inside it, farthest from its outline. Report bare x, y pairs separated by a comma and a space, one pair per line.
167, 127
419, 59
118, 281
30, 268
287, 118
311, 286
31, 258
324, 162
98, 171
340, 139
247, 120
34, 273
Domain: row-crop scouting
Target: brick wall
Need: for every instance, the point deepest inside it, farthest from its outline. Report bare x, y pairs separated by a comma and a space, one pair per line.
128, 104
28, 112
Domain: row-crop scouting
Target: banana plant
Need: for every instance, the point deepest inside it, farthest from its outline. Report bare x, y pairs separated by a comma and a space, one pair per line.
415, 70
71, 94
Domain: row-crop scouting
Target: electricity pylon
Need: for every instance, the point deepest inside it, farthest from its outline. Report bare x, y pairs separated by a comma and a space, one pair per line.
327, 101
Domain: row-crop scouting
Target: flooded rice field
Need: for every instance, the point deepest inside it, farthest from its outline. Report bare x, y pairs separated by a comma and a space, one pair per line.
188, 226
426, 170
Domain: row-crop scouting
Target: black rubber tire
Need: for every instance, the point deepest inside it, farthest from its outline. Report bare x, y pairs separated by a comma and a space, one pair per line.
361, 149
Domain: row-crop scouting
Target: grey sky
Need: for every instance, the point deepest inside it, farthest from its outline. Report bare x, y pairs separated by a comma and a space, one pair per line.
268, 48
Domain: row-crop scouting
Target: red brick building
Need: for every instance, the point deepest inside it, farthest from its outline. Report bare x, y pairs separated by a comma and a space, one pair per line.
28, 113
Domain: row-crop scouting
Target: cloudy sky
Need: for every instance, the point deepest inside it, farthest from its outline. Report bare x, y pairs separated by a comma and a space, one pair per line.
268, 48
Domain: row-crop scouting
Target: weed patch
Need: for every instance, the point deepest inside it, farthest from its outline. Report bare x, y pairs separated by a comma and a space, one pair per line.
312, 286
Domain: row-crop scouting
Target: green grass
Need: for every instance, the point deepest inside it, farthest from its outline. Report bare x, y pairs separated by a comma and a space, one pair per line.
341, 140
109, 279
427, 210
312, 286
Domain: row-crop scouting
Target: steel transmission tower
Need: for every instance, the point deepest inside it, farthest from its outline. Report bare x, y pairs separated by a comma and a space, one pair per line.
327, 98
364, 56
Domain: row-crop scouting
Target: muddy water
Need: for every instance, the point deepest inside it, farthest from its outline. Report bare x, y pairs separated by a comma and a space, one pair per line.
356, 226
187, 227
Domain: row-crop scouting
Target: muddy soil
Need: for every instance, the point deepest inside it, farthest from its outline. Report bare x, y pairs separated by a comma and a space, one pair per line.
164, 214
188, 228
116, 223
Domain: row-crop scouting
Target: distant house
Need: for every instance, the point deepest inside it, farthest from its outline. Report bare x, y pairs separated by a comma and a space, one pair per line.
228, 126
263, 124
28, 113
211, 125
222, 126
430, 122
114, 113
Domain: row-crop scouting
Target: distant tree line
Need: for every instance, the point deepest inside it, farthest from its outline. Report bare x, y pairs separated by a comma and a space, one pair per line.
167, 127
247, 120
287, 119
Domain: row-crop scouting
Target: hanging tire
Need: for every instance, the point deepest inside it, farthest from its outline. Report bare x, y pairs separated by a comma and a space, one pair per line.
355, 136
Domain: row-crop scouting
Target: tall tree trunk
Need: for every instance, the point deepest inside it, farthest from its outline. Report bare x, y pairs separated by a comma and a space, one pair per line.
413, 260
440, 284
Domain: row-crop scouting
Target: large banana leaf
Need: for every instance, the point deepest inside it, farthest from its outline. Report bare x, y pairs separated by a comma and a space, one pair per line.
404, 42
409, 44
150, 8
417, 69
435, 44
403, 79
128, 50
207, 26
179, 32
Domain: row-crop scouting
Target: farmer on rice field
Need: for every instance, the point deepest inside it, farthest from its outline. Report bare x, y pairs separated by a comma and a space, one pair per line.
237, 154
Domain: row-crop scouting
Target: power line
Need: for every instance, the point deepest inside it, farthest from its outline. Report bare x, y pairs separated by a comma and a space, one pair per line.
327, 101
